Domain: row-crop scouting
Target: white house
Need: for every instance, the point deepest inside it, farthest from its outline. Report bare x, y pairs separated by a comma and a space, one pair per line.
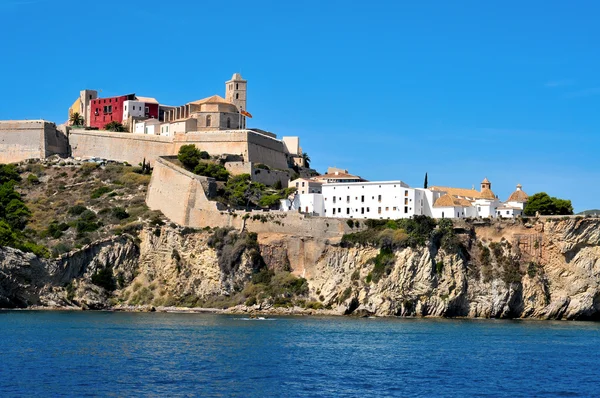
148, 126
306, 185
395, 199
375, 199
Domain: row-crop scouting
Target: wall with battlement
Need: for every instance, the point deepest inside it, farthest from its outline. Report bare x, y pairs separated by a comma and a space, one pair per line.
30, 139
180, 195
131, 148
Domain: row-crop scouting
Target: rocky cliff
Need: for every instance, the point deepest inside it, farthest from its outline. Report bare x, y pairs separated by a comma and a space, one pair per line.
547, 270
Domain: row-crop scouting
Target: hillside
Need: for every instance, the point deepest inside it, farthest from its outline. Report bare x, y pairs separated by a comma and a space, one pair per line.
75, 203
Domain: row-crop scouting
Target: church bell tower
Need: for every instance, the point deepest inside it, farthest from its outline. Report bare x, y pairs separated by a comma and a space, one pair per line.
235, 91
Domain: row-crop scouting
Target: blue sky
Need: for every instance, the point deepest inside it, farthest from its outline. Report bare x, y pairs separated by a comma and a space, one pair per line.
390, 90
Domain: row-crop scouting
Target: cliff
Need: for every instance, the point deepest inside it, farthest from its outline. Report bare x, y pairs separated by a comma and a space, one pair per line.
548, 270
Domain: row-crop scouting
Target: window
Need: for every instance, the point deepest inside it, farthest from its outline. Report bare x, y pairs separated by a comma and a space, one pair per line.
297, 187
405, 193
334, 199
507, 212
236, 86
362, 210
379, 198
405, 209
362, 198
347, 210
208, 121
333, 211
347, 199
146, 130
367, 209
90, 96
478, 208
339, 210
405, 201
237, 96
228, 123
394, 208
387, 209
147, 110
379, 210
125, 108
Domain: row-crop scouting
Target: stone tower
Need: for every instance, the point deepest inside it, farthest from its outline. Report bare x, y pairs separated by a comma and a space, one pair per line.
235, 91
86, 97
486, 184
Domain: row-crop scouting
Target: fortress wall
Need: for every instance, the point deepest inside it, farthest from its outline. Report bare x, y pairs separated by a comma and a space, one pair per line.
263, 149
29, 139
123, 147
56, 141
267, 177
216, 142
181, 197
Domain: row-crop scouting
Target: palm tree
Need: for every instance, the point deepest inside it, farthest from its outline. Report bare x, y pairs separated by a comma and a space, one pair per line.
115, 127
306, 159
76, 119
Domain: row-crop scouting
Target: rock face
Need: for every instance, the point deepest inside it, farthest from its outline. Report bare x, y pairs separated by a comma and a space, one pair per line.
550, 270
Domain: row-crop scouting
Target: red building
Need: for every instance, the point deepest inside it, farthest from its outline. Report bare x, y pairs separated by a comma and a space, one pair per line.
114, 109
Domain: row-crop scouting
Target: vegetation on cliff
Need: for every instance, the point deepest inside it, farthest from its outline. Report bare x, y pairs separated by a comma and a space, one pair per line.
546, 205
409, 232
54, 207
14, 214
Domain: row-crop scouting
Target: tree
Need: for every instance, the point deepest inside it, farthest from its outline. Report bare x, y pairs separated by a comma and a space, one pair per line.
76, 119
306, 159
546, 205
425, 183
9, 173
189, 156
115, 127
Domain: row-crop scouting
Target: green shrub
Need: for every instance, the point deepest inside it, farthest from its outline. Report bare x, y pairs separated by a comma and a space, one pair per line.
189, 156
383, 264
98, 192
104, 278
216, 171
120, 213
77, 210
32, 179
439, 266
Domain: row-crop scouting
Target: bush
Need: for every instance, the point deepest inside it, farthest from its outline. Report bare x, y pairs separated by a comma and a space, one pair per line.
189, 156
98, 192
33, 179
104, 278
56, 230
77, 210
216, 171
384, 262
120, 213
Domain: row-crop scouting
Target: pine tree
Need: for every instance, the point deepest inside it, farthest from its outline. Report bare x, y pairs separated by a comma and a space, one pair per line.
425, 184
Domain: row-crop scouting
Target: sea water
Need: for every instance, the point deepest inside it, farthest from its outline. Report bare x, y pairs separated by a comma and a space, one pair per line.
160, 354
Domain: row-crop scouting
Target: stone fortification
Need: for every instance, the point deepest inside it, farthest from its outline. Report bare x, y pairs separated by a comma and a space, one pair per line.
182, 197
133, 148
264, 176
30, 139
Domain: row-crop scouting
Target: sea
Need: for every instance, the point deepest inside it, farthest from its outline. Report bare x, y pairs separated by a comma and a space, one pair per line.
78, 354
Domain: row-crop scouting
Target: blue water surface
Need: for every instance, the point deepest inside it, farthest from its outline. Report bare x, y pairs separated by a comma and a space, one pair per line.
158, 354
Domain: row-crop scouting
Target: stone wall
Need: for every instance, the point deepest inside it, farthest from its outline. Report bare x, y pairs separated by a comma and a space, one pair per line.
267, 177
180, 195
30, 139
126, 147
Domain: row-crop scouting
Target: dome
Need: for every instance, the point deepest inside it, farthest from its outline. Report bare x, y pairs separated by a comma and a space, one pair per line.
487, 193
518, 196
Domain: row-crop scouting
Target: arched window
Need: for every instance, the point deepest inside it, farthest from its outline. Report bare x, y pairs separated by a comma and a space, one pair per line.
208, 121
237, 96
228, 123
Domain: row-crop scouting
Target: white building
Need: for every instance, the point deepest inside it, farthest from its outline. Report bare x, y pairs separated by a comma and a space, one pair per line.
310, 203
375, 199
305, 185
395, 199
148, 126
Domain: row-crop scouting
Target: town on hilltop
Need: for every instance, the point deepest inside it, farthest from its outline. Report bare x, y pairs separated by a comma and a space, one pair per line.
135, 129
